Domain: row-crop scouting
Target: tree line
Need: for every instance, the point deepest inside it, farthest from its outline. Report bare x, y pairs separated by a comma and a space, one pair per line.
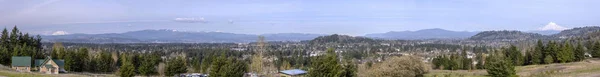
16, 43
501, 63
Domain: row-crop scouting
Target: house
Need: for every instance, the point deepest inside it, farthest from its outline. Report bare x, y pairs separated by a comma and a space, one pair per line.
292, 73
50, 66
21, 63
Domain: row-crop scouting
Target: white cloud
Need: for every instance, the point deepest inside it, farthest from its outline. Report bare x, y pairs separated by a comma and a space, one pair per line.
553, 26
190, 20
60, 33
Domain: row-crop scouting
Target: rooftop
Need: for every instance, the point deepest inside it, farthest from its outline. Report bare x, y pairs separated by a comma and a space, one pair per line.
293, 72
21, 61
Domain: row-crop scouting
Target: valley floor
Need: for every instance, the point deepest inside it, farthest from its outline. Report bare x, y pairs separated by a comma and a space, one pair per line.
587, 68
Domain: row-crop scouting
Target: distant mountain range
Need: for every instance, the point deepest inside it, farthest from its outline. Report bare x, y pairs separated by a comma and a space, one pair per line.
172, 36
518, 35
435, 33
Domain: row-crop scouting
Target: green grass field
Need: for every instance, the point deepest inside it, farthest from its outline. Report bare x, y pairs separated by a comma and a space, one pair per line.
7, 73
587, 68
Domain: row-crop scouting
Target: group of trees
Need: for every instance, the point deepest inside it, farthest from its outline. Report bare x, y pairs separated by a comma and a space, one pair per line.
79, 60
228, 67
329, 65
501, 63
554, 52
453, 62
128, 64
144, 64
18, 44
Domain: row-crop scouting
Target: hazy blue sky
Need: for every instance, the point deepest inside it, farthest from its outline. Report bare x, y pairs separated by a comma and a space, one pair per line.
354, 17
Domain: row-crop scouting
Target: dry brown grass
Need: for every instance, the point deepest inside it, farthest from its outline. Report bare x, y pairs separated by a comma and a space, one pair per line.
587, 68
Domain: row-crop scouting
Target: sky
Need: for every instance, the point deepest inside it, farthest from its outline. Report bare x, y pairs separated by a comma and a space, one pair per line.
352, 17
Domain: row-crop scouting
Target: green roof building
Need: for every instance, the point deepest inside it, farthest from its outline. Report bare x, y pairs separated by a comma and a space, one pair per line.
21, 63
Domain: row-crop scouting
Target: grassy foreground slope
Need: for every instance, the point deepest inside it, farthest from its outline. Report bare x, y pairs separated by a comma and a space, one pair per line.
7, 72
586, 68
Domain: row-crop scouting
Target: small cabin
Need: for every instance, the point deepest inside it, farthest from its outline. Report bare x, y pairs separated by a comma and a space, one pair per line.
292, 73
21, 63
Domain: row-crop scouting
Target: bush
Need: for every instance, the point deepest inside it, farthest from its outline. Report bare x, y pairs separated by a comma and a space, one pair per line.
405, 66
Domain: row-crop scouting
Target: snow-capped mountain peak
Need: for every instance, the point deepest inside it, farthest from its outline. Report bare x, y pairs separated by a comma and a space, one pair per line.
553, 26
60, 33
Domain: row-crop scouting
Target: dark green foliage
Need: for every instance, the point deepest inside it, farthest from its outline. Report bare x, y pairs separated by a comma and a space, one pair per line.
452, 62
4, 48
499, 66
325, 66
227, 67
513, 54
552, 49
148, 64
595, 50
566, 53
176, 66
16, 43
103, 62
548, 59
349, 70
217, 65
536, 55
579, 52
127, 69
76, 61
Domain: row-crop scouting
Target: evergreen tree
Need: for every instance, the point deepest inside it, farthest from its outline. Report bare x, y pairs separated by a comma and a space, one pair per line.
529, 57
596, 50
176, 66
83, 58
579, 52
514, 55
499, 66
4, 48
14, 38
553, 50
5, 40
104, 62
217, 66
233, 68
325, 66
566, 53
4, 59
70, 61
127, 69
148, 64
537, 55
